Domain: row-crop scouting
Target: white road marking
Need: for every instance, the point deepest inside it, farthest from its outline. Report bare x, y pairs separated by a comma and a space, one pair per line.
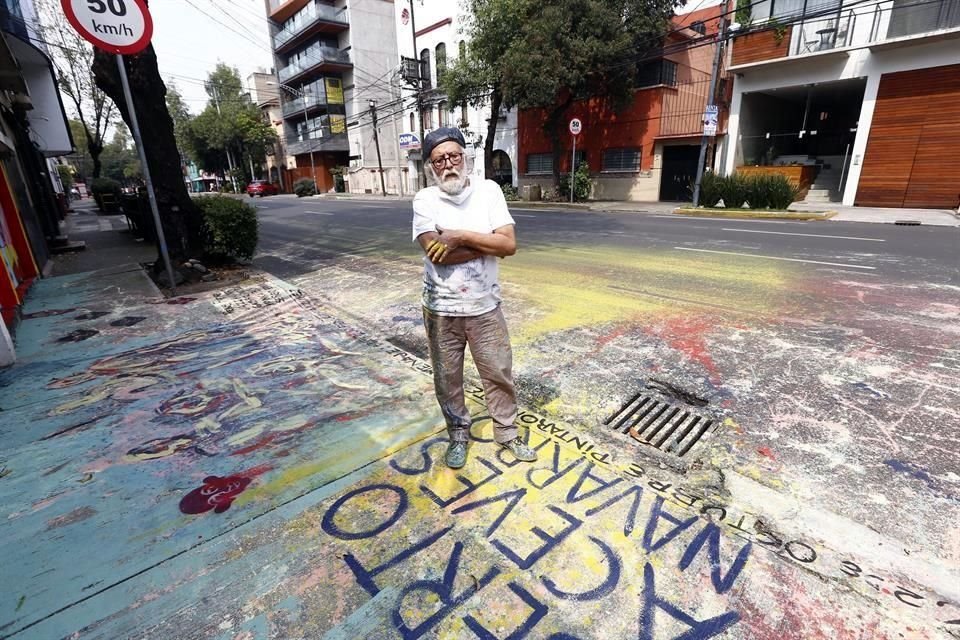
320, 213
616, 232
753, 255
809, 235
723, 220
522, 215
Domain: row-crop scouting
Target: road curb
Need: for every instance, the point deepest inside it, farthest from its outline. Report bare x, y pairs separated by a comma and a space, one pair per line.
755, 215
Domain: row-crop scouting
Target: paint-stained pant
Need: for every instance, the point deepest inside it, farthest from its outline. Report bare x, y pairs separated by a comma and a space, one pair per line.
490, 347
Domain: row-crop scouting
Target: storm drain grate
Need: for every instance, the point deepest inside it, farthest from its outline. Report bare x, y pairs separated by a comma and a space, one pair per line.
660, 424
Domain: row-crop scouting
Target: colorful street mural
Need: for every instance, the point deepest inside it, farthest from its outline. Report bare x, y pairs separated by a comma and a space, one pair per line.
257, 462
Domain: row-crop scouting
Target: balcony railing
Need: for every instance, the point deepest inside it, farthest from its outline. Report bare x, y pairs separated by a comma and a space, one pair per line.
293, 107
821, 26
309, 17
314, 57
296, 145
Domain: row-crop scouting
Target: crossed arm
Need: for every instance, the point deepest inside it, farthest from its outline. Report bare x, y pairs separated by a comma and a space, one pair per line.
456, 246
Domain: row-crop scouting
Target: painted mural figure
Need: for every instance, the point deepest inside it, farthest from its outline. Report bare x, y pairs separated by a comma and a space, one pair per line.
463, 228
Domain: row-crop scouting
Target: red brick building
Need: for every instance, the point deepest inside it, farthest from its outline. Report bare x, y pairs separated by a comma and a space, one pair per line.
649, 150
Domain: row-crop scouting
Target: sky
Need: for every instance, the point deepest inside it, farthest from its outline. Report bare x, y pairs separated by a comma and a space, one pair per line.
192, 36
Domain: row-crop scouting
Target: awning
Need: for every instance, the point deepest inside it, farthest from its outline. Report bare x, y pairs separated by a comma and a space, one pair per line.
48, 122
10, 77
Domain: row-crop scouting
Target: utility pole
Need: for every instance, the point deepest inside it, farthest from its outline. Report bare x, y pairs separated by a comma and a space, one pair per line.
216, 101
376, 140
421, 176
711, 99
396, 133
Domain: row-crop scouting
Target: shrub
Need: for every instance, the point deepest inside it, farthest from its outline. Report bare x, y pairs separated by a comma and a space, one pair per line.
782, 192
305, 187
734, 189
100, 186
509, 193
230, 227
758, 190
711, 186
582, 184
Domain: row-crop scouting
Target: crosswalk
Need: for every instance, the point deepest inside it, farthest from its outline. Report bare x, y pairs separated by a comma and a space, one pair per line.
80, 223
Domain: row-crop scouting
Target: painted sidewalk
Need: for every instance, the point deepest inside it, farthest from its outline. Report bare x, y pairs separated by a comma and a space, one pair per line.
252, 463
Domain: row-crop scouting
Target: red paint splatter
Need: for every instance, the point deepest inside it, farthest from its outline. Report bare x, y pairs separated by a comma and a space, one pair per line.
216, 493
259, 444
766, 452
686, 335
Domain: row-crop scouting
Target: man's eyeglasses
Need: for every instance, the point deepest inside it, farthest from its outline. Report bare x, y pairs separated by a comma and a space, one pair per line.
454, 158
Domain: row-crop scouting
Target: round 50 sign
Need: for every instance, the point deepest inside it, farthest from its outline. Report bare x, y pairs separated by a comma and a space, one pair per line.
117, 26
576, 126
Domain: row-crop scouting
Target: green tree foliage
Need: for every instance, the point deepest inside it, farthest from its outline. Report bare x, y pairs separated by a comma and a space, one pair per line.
531, 54
231, 127
120, 159
181, 117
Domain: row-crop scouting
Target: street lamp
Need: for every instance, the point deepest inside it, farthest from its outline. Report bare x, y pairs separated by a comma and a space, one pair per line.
306, 123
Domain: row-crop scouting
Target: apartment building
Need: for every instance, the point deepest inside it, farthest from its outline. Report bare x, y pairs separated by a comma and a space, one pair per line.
266, 93
648, 151
860, 98
328, 56
438, 28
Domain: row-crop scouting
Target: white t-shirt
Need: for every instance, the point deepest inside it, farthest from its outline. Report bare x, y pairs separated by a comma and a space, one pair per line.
471, 288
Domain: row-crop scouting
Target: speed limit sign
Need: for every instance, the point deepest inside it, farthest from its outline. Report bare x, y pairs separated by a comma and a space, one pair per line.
118, 26
576, 126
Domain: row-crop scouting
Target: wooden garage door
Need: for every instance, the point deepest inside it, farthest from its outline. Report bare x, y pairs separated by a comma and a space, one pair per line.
913, 153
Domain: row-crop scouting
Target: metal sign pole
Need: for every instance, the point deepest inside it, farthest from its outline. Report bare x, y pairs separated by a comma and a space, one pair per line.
135, 129
573, 168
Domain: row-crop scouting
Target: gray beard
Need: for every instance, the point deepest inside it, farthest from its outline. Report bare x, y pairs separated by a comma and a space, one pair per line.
454, 187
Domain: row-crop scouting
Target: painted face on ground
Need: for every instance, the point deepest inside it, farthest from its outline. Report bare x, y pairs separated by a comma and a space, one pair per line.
450, 177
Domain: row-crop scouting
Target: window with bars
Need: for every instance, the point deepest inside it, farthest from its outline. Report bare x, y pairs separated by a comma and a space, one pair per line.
426, 116
441, 52
657, 72
425, 68
539, 163
626, 159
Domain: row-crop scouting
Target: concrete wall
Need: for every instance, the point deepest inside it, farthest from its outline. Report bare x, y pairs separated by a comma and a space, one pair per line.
919, 53
372, 41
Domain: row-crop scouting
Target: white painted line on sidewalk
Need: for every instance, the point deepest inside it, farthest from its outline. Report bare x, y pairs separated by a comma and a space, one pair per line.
105, 225
753, 255
808, 235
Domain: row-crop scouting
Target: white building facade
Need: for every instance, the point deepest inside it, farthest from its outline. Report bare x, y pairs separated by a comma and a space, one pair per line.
440, 39
864, 94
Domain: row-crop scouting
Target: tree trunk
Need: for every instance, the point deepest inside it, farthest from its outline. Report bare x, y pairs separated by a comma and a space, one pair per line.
496, 100
554, 129
97, 165
181, 220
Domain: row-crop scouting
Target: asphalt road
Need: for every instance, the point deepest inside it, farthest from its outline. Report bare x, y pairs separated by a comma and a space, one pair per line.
299, 236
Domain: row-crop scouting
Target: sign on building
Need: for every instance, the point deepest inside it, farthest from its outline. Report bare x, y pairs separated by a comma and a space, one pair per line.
334, 88
710, 117
409, 141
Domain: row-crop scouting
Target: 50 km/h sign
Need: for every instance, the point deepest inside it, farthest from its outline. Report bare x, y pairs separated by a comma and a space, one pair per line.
576, 126
117, 26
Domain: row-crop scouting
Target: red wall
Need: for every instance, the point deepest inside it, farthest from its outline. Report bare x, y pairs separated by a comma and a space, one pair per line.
636, 126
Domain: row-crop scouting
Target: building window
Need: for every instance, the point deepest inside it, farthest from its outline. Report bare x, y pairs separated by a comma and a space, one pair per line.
539, 163
425, 68
442, 114
464, 120
580, 158
657, 72
623, 160
413, 122
441, 62
426, 116
699, 27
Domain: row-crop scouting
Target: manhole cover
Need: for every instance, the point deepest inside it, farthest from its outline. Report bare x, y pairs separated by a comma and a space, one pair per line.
668, 427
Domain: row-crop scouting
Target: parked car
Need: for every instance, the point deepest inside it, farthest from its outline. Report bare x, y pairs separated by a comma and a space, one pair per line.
262, 188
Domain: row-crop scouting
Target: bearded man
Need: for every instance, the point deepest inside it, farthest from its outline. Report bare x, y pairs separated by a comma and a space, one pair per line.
464, 227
